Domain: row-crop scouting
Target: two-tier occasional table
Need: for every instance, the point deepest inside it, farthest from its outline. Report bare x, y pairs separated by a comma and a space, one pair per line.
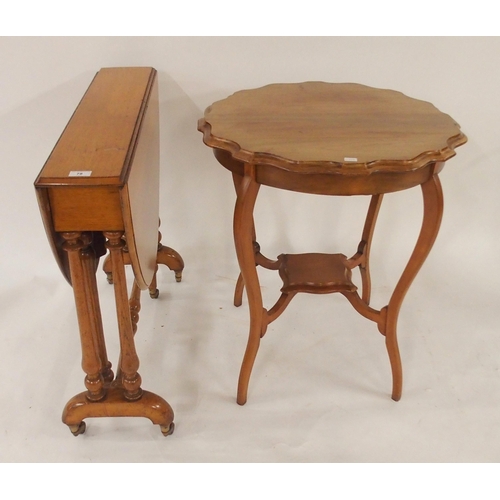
330, 139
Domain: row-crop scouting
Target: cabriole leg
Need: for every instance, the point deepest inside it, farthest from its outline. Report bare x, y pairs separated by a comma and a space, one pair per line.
433, 212
243, 227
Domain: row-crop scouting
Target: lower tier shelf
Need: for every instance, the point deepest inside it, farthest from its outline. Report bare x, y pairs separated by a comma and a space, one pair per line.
315, 273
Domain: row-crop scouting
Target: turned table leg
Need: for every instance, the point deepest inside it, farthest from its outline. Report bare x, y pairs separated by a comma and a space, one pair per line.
129, 361
105, 397
82, 270
89, 262
135, 308
433, 212
244, 241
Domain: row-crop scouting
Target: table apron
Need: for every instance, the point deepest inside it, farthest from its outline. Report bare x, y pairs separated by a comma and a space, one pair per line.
333, 183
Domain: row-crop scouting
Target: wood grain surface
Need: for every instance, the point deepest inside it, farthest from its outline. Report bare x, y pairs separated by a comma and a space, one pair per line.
318, 126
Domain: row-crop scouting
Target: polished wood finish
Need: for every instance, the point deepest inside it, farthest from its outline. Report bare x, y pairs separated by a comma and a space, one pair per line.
315, 273
317, 127
70, 206
98, 192
330, 139
103, 132
129, 361
85, 291
362, 257
165, 255
156, 409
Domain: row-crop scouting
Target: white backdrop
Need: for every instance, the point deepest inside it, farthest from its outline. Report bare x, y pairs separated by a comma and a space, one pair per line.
449, 322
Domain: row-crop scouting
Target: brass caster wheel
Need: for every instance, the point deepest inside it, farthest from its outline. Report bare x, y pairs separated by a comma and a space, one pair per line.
178, 276
78, 429
155, 294
109, 277
166, 431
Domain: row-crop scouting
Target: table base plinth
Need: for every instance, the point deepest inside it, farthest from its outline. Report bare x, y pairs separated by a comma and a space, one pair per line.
114, 404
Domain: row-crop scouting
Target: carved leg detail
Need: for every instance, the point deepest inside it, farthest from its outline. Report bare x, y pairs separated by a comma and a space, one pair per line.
106, 267
86, 298
124, 396
247, 192
135, 308
129, 361
135, 305
89, 264
171, 259
433, 211
165, 255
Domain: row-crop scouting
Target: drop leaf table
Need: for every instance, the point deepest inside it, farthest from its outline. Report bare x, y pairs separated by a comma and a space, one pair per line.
98, 192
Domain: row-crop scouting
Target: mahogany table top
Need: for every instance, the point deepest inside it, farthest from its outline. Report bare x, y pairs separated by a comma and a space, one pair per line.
324, 127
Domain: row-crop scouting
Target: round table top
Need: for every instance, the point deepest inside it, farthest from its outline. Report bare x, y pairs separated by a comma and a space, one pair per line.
320, 127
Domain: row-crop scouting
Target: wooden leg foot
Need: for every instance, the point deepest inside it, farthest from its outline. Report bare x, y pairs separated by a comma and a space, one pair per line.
106, 267
167, 430
115, 404
78, 429
170, 258
154, 293
166, 256
396, 367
